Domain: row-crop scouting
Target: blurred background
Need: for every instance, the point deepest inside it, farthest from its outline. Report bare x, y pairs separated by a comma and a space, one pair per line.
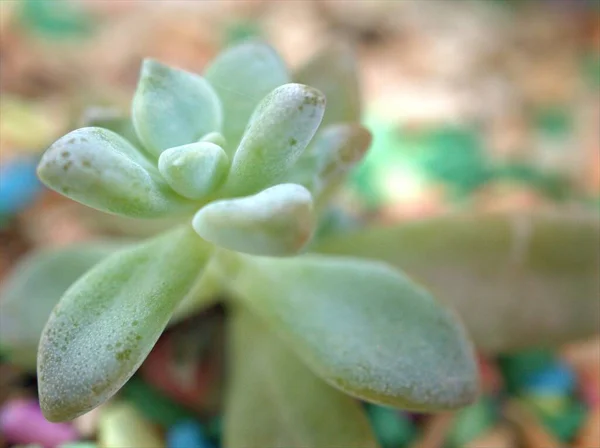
489, 105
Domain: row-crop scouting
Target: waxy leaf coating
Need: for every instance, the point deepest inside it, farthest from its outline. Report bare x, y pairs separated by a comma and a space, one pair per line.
277, 221
195, 170
108, 321
278, 132
274, 400
242, 76
104, 171
172, 107
363, 327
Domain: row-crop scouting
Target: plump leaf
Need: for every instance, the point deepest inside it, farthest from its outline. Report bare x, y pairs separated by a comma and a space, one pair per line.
277, 221
274, 400
34, 287
280, 128
242, 76
333, 71
516, 282
100, 169
195, 170
107, 322
172, 107
364, 327
328, 159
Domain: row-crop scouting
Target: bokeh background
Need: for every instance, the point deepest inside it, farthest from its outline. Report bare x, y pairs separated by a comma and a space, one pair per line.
489, 105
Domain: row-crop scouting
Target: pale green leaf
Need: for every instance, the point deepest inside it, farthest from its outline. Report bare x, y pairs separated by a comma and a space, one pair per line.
108, 321
172, 107
195, 170
242, 76
279, 130
334, 72
274, 400
34, 287
364, 327
100, 169
277, 221
111, 119
516, 281
335, 150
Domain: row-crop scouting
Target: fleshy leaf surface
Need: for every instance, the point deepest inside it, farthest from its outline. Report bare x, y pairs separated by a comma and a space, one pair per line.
274, 400
195, 170
363, 327
334, 72
242, 76
516, 281
277, 221
172, 107
109, 320
334, 151
111, 119
32, 290
100, 169
278, 132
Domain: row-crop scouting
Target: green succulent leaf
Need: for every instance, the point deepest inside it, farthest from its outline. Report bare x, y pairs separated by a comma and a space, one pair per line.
34, 287
333, 71
195, 170
363, 327
102, 170
330, 157
242, 76
108, 321
278, 132
277, 221
274, 400
516, 281
172, 107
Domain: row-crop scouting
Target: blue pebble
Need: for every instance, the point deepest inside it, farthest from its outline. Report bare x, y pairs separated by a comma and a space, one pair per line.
558, 378
19, 185
187, 434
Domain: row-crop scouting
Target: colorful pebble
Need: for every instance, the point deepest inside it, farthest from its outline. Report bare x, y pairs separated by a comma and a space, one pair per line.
19, 185
186, 434
22, 422
121, 425
557, 378
393, 428
473, 422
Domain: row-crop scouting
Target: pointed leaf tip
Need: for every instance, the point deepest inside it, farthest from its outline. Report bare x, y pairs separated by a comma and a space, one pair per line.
172, 107
278, 221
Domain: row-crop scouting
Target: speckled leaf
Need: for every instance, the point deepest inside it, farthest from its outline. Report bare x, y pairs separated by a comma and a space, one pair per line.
33, 288
364, 327
274, 400
100, 169
172, 107
242, 76
108, 321
517, 282
195, 170
277, 221
334, 151
280, 128
333, 71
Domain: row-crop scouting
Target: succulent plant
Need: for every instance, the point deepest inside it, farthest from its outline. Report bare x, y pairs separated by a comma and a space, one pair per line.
248, 157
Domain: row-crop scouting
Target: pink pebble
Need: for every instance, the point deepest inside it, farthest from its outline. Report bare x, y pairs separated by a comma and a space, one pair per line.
21, 421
